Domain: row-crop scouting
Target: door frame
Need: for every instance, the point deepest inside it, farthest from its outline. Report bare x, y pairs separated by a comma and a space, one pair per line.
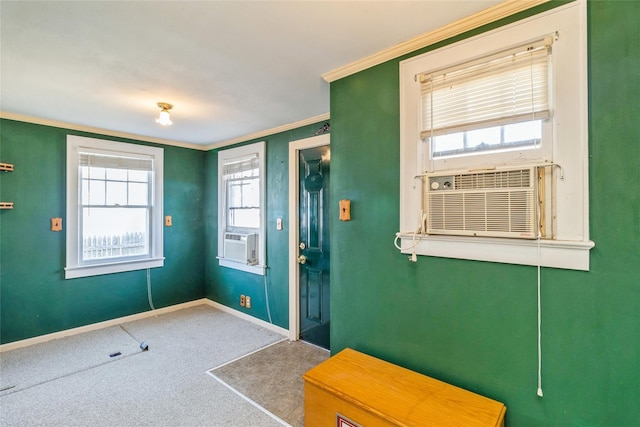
294, 228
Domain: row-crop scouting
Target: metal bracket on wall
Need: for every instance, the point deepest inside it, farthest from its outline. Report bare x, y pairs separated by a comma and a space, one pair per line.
6, 167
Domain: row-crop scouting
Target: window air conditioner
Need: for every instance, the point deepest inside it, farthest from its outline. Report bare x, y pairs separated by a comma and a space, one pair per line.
241, 247
496, 203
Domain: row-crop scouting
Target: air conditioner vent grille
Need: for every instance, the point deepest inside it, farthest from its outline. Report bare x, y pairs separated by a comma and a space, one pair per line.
494, 204
519, 178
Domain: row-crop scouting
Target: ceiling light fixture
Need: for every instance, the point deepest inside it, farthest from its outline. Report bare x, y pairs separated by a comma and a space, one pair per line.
164, 119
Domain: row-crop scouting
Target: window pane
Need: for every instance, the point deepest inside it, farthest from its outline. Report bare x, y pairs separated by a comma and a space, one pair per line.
244, 193
117, 174
138, 193
518, 135
96, 193
116, 193
451, 142
482, 137
251, 193
525, 131
94, 173
114, 232
235, 194
84, 194
244, 218
138, 176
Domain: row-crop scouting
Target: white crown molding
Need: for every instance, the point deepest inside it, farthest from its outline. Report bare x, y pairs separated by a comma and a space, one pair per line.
487, 16
80, 128
100, 131
267, 132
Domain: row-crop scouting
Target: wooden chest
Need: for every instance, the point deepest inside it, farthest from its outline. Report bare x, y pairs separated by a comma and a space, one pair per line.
369, 392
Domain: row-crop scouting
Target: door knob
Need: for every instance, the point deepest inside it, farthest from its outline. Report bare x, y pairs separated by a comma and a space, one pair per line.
302, 259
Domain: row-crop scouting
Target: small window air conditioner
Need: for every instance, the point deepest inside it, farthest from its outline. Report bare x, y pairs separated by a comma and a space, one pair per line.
496, 203
241, 247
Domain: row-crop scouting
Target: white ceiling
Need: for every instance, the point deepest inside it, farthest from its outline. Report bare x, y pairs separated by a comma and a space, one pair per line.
230, 68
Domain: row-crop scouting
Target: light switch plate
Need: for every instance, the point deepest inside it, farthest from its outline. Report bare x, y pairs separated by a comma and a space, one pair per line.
56, 224
167, 221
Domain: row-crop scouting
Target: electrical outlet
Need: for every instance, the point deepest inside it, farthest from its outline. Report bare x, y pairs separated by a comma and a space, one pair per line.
247, 302
242, 300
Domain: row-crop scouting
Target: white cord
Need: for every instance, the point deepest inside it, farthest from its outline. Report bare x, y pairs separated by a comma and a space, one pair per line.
539, 325
266, 298
149, 289
414, 242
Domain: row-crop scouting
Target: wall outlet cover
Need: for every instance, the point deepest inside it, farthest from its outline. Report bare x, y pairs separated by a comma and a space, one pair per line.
56, 224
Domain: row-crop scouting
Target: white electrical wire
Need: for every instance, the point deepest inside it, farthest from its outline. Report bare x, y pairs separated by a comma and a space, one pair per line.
149, 289
414, 242
417, 231
539, 324
266, 298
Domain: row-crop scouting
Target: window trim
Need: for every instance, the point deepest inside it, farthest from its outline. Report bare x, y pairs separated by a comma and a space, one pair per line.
74, 269
225, 156
570, 249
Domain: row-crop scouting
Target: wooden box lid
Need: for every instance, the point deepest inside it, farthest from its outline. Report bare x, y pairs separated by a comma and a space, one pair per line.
401, 396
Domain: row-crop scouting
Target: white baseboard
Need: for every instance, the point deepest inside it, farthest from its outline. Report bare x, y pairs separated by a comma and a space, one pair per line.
113, 322
247, 317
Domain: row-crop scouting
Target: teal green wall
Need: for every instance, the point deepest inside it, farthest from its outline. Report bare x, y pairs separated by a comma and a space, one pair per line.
474, 324
35, 298
225, 285
469, 323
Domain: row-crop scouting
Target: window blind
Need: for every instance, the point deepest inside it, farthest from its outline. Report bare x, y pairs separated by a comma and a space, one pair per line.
115, 162
508, 87
238, 166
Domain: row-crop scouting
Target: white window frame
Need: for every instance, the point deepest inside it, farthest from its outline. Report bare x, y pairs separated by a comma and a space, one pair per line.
224, 157
74, 267
571, 246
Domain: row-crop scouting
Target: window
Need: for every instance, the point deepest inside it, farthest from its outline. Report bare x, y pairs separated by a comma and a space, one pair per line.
511, 100
241, 213
114, 207
242, 189
498, 102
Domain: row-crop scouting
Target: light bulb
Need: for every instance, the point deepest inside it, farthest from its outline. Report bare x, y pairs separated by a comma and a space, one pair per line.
164, 119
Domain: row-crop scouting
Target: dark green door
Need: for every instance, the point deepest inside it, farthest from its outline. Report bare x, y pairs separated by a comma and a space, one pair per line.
314, 245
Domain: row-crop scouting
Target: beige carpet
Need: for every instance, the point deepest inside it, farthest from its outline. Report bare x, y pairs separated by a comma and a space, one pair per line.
272, 377
73, 381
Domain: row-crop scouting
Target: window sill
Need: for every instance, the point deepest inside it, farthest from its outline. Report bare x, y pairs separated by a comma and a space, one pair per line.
118, 267
565, 254
254, 269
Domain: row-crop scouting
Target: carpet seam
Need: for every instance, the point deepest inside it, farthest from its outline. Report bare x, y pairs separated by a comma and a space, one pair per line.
67, 375
247, 355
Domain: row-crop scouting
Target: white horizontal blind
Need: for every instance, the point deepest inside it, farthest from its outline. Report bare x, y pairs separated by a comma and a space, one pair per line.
238, 167
116, 162
508, 87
